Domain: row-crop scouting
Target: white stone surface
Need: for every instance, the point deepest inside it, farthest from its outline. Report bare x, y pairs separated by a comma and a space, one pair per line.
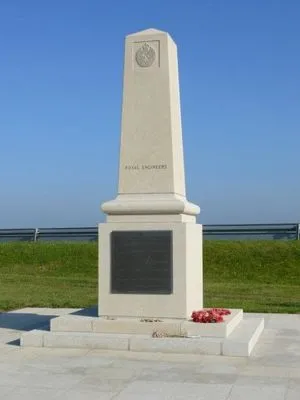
151, 218
141, 326
136, 326
92, 394
151, 120
176, 345
71, 323
83, 340
34, 338
143, 204
256, 334
44, 311
239, 344
133, 334
272, 372
261, 392
187, 275
242, 341
151, 191
174, 391
221, 330
151, 169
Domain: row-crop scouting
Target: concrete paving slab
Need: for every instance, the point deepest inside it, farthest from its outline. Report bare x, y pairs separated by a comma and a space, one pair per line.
86, 395
4, 390
111, 385
264, 371
262, 392
271, 372
132, 396
292, 394
175, 390
23, 393
257, 380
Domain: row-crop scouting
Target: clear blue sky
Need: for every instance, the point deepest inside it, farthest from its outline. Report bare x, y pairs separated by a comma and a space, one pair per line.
61, 66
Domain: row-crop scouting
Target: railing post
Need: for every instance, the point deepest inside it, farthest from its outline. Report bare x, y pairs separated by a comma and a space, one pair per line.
298, 232
36, 232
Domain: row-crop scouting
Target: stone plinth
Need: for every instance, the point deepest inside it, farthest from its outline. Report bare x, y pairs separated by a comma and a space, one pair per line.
186, 277
233, 337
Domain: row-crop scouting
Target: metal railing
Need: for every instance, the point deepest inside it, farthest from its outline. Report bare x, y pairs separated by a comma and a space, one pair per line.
288, 231
253, 231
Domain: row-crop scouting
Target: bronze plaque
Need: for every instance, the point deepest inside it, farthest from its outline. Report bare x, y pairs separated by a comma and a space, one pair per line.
141, 262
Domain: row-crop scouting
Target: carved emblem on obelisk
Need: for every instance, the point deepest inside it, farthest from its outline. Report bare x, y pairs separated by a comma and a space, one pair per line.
145, 56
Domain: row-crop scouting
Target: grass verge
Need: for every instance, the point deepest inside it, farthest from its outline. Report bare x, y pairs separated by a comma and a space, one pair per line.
256, 276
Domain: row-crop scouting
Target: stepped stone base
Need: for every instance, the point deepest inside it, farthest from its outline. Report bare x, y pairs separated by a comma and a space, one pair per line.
234, 337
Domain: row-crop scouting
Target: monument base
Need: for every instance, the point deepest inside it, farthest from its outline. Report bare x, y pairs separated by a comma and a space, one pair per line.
235, 336
150, 269
155, 203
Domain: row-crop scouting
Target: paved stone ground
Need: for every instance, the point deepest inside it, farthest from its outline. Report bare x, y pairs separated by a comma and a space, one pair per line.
272, 372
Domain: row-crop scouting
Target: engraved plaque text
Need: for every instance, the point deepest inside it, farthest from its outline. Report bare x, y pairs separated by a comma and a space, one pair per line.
141, 262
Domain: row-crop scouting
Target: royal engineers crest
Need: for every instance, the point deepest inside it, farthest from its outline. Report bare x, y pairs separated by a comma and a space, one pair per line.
145, 56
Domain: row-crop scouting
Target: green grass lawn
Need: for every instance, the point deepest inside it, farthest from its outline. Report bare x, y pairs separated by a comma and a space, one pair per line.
255, 276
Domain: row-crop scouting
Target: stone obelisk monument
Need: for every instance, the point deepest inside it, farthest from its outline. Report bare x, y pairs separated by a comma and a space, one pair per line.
150, 248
